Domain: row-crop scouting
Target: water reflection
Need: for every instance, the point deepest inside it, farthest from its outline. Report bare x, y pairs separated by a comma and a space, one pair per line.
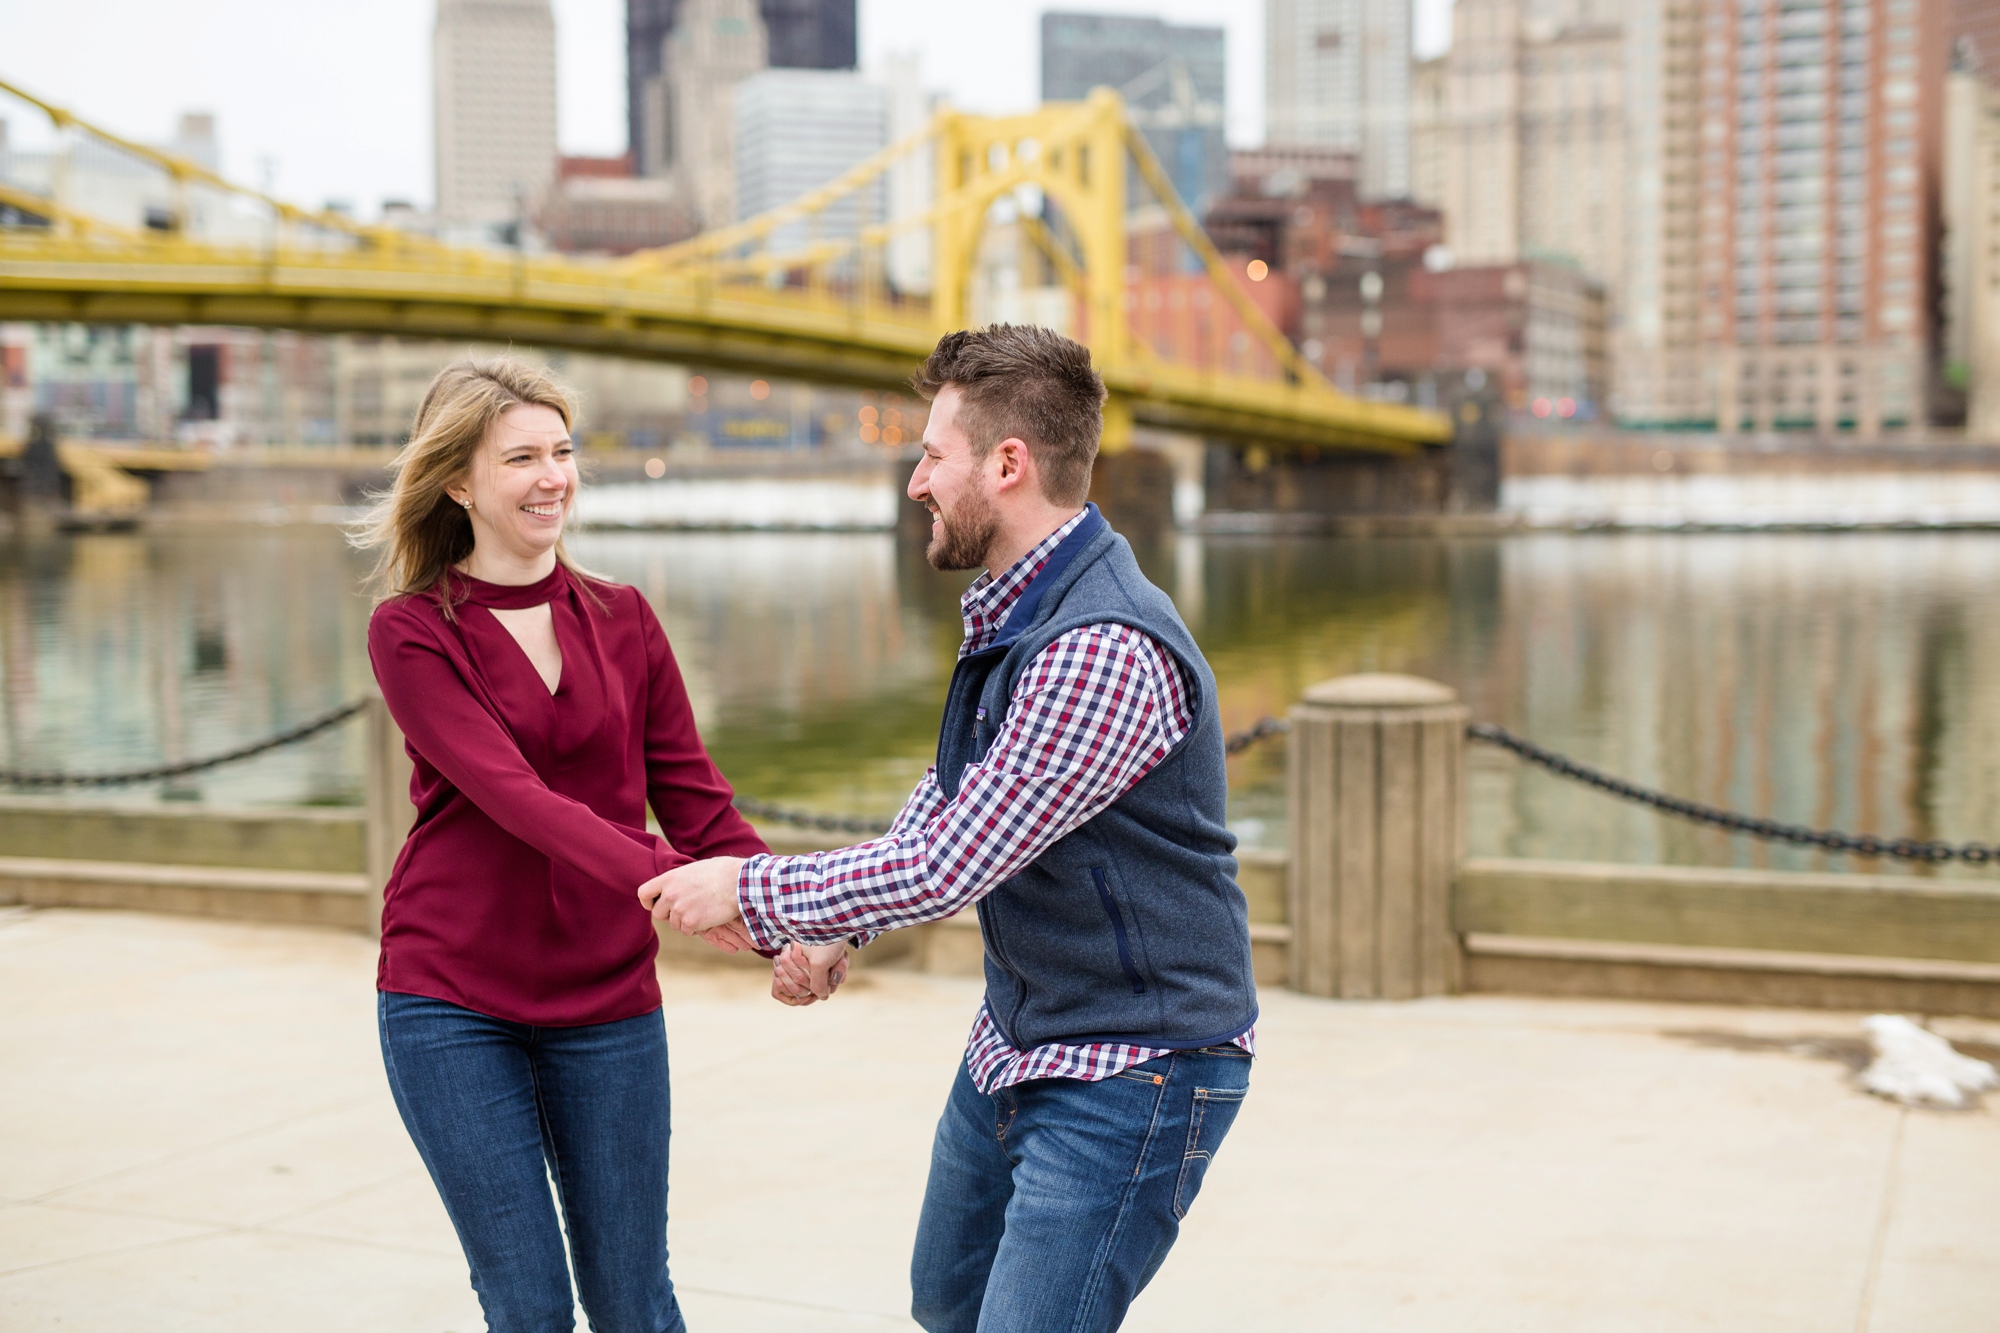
1823, 679
127, 649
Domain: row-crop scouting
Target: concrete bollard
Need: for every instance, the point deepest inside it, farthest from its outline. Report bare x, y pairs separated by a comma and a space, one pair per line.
387, 789
1376, 776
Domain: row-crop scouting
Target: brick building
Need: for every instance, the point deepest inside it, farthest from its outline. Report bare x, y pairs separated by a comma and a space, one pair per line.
597, 206
1370, 295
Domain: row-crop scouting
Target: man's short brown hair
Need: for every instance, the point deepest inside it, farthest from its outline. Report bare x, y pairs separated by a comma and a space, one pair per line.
1016, 380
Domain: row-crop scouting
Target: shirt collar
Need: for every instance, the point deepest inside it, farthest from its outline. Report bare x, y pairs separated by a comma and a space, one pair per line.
987, 602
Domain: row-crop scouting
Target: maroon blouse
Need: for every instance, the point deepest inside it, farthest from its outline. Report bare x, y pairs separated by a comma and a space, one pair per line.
516, 893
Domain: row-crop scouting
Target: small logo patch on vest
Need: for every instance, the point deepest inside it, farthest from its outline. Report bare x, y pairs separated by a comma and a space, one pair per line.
979, 716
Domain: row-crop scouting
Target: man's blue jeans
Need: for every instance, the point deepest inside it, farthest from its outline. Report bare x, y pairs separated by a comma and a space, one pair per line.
1052, 1203
496, 1110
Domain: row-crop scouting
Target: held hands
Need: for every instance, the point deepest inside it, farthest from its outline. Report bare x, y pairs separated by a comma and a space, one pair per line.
699, 898
806, 974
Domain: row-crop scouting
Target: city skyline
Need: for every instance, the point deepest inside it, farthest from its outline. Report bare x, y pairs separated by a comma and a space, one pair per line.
293, 124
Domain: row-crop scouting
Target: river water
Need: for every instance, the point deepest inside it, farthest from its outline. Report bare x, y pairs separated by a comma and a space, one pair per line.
1844, 680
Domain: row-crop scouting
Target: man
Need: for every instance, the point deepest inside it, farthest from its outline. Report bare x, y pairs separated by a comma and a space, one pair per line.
1078, 800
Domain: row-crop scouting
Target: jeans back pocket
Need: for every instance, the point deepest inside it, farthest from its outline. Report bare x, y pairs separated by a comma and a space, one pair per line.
1214, 1112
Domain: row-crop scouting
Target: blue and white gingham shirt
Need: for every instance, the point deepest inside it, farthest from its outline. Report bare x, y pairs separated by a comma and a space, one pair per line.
1089, 716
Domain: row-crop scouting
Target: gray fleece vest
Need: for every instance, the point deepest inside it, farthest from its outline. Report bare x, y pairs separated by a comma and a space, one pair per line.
1129, 928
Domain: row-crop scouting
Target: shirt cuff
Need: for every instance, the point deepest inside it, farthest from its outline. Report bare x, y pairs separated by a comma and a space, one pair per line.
757, 895
757, 899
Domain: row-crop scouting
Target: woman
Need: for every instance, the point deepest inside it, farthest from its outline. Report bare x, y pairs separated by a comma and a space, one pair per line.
519, 1011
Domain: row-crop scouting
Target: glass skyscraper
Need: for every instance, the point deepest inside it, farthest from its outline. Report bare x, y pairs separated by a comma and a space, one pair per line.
804, 34
1172, 78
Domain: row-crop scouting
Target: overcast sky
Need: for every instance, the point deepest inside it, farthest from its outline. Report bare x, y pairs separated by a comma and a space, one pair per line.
333, 100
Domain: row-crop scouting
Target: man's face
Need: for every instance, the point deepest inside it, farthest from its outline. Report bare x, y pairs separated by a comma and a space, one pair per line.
951, 482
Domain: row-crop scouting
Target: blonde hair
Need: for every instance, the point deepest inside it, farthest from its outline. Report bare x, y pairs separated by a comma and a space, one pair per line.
419, 531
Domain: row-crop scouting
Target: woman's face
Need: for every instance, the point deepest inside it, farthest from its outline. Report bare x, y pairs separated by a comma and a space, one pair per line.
522, 482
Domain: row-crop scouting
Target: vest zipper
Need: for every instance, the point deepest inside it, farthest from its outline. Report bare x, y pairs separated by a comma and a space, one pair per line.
1118, 929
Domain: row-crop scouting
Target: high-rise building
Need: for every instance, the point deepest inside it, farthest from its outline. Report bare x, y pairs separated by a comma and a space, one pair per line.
802, 34
1546, 131
1802, 143
493, 84
810, 34
1533, 144
912, 178
1972, 234
798, 129
647, 23
690, 124
1975, 26
1755, 181
1173, 80
1337, 75
1428, 137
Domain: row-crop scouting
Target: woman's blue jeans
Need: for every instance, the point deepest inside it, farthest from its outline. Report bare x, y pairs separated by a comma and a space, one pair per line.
497, 1109
1052, 1203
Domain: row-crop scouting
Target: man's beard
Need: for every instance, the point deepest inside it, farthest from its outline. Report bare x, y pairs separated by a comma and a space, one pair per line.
967, 533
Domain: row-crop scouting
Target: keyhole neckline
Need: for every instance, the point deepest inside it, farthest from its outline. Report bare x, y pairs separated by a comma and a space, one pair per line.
509, 596
554, 687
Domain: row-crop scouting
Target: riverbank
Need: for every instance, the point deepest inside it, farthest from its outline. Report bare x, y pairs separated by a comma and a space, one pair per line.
1547, 482
1638, 482
200, 1138
749, 490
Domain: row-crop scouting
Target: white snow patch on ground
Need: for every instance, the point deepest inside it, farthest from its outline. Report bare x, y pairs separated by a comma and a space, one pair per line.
1920, 1068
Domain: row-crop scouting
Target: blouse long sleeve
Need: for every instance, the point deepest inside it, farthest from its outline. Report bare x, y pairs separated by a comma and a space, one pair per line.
462, 737
692, 800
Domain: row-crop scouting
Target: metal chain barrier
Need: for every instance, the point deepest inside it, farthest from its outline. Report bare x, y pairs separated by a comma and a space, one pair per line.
779, 814
1859, 844
1239, 741
749, 805
30, 778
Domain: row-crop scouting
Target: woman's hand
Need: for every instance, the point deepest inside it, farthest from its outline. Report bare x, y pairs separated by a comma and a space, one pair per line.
807, 974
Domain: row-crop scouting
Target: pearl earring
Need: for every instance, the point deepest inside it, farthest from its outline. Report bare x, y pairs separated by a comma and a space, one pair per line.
466, 503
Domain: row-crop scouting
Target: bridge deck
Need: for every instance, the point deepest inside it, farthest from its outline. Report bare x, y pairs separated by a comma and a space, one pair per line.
432, 292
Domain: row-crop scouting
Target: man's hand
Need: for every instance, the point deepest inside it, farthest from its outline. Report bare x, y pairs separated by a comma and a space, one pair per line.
806, 974
697, 898
732, 938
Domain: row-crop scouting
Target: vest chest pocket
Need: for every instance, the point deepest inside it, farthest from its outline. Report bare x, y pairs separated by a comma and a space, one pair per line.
1130, 968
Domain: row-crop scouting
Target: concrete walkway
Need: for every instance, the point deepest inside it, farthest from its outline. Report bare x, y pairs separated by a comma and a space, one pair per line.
198, 1136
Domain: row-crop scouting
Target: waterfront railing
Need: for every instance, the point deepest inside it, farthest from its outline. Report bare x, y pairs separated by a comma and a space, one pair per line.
1374, 896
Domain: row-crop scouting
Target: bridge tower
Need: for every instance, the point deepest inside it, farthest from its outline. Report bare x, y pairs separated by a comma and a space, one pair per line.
1075, 156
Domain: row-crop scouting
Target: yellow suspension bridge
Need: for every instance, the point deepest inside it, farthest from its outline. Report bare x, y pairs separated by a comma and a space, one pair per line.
735, 298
